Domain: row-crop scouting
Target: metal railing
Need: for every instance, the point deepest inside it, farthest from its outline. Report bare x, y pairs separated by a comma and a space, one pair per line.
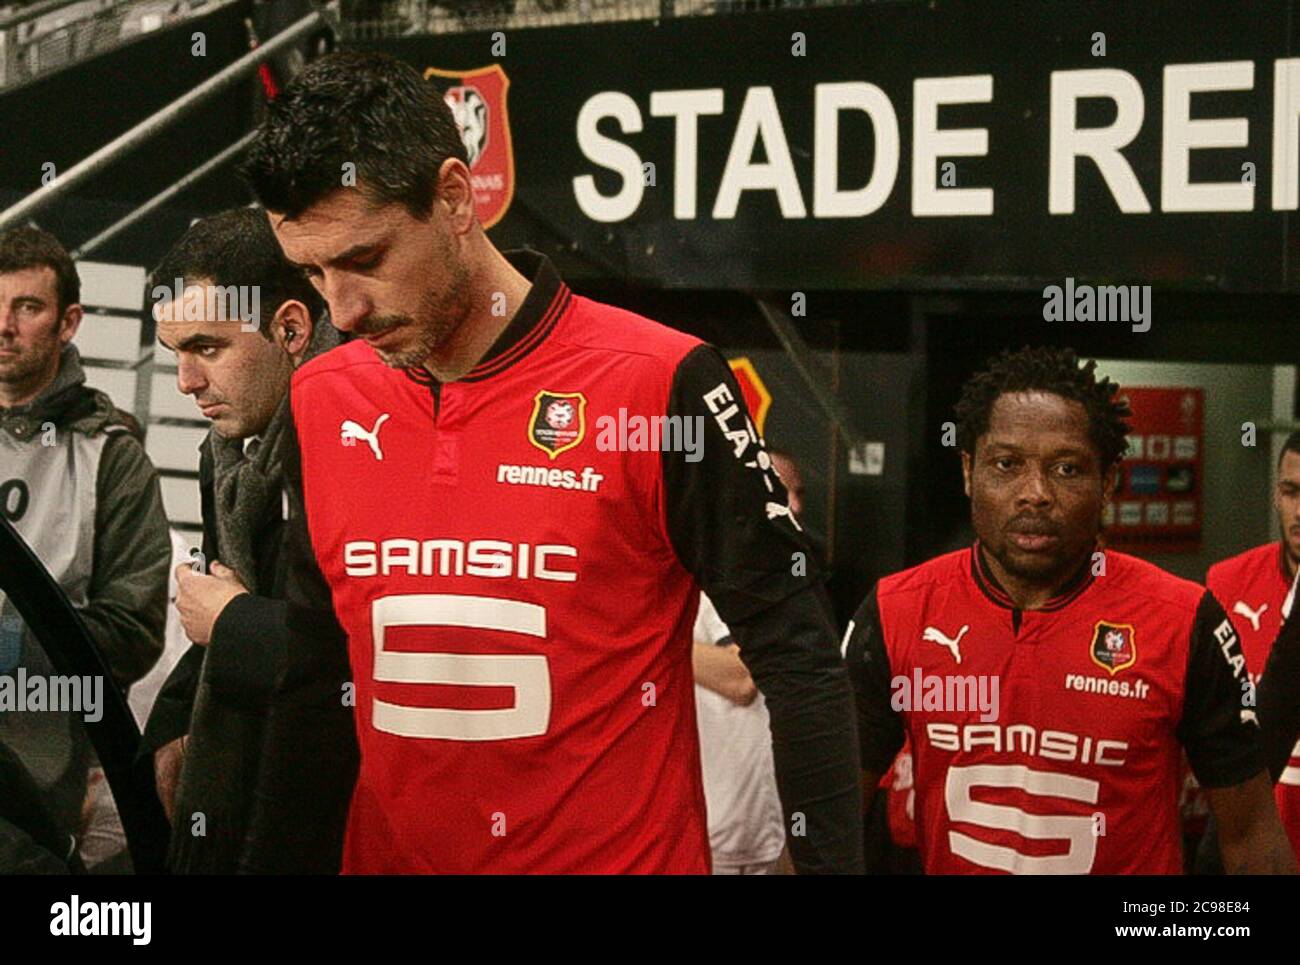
380, 19
43, 37
113, 152
137, 215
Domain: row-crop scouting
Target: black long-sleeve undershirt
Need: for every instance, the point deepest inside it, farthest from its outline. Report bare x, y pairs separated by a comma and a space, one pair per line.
727, 525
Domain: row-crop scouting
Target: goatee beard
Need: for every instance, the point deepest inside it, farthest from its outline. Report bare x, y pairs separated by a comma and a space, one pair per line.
446, 314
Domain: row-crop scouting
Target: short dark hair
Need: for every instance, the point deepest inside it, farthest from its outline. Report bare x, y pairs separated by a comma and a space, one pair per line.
1054, 370
1292, 444
358, 107
28, 246
235, 248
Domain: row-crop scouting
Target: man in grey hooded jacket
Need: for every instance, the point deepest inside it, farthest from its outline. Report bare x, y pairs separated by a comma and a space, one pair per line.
76, 484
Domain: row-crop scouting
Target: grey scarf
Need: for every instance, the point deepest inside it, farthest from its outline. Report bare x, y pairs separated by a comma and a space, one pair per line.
243, 490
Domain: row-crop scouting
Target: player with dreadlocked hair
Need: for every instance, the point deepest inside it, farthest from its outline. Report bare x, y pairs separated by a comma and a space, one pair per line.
1049, 688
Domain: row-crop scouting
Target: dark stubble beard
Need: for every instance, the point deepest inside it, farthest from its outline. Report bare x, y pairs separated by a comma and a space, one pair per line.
443, 313
1292, 561
25, 370
1052, 572
1044, 573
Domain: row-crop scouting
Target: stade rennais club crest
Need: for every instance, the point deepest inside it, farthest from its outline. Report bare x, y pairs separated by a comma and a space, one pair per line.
477, 99
1113, 646
559, 421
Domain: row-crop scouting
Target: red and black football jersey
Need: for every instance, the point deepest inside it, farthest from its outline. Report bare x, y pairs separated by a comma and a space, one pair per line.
1252, 587
513, 564
1049, 740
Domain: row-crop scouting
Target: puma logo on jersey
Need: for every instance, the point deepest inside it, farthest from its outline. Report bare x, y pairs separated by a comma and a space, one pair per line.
1252, 615
934, 635
776, 509
351, 431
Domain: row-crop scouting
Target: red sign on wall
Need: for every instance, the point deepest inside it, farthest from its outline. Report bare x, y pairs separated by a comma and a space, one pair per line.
477, 99
1157, 504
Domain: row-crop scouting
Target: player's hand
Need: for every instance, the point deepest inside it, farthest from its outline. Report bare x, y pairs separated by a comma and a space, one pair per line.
201, 597
167, 761
740, 689
720, 669
93, 777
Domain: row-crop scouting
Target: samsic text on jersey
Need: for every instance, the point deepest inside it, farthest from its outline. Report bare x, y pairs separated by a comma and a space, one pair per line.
1252, 587
517, 583
1076, 768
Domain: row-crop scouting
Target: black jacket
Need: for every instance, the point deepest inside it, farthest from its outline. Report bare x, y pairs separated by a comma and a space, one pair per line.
243, 661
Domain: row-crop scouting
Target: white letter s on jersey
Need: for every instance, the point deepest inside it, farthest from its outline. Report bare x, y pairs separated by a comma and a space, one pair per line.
1077, 829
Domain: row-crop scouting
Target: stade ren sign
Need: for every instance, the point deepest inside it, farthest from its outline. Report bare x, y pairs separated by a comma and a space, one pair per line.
759, 125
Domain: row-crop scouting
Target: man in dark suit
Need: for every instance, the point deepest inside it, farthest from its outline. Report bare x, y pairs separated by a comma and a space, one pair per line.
239, 319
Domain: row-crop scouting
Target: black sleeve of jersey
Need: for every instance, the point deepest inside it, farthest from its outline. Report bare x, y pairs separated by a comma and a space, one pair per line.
880, 727
309, 757
724, 514
1279, 697
1218, 730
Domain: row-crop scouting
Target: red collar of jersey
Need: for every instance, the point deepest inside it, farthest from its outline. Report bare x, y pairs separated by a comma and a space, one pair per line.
546, 301
988, 583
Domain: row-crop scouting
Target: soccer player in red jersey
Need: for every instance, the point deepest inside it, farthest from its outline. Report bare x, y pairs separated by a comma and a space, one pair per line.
1049, 686
504, 500
1252, 587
